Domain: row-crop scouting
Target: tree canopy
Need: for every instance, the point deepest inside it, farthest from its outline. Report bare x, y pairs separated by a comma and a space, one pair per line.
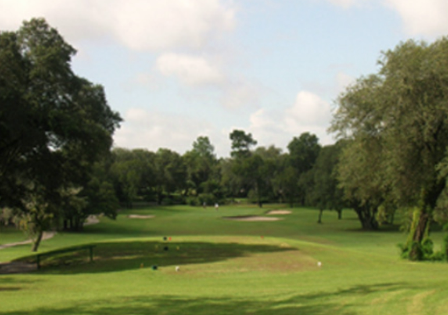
53, 124
397, 125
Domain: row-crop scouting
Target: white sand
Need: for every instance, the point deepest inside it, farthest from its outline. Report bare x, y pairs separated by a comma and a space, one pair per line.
279, 212
139, 216
252, 218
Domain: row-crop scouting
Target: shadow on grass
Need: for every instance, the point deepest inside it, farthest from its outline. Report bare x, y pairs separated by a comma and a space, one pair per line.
128, 255
387, 228
8, 283
321, 303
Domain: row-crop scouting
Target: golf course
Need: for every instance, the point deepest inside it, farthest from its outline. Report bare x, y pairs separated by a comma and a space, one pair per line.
191, 260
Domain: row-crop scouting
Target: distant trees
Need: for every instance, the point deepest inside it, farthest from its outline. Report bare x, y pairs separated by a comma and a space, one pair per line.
326, 193
197, 177
303, 152
201, 164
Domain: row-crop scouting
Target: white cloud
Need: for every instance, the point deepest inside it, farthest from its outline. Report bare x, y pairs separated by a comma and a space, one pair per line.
309, 109
163, 27
154, 130
146, 80
75, 20
345, 3
232, 91
422, 17
237, 93
142, 25
343, 80
309, 113
190, 70
166, 24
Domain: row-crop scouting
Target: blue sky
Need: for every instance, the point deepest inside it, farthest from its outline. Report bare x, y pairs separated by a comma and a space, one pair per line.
179, 69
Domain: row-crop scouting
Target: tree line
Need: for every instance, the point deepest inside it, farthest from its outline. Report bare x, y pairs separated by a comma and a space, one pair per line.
301, 176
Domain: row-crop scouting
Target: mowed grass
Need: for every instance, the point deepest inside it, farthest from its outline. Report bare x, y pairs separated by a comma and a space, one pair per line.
226, 267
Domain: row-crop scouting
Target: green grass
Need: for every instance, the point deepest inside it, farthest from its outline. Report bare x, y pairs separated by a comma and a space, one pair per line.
9, 234
226, 267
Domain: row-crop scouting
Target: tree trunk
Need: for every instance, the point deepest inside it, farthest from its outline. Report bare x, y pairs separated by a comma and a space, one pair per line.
366, 217
392, 217
36, 242
421, 219
319, 220
418, 232
339, 214
421, 228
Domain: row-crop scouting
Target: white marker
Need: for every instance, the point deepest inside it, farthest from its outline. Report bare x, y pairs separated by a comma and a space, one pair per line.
319, 264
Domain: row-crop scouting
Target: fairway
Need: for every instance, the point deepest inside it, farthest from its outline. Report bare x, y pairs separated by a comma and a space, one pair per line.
225, 267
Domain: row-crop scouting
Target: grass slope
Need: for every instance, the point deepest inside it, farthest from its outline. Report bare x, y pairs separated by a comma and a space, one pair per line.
226, 267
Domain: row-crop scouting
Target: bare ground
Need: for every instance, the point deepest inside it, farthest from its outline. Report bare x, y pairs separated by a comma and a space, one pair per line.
252, 218
278, 212
22, 267
139, 216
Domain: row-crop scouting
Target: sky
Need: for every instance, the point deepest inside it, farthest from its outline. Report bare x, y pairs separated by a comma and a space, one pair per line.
179, 69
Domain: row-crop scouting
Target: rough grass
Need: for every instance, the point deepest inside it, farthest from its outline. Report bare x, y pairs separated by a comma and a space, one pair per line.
227, 267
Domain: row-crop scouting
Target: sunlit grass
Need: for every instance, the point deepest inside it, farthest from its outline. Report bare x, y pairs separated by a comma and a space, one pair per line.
227, 267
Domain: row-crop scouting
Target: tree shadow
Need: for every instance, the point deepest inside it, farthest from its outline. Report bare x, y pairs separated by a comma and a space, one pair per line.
387, 228
321, 303
128, 255
8, 283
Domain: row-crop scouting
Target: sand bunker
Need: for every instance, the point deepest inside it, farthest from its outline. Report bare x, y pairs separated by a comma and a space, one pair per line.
139, 216
252, 218
91, 219
279, 212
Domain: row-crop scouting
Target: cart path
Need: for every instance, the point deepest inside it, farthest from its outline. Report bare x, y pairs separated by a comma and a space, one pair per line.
47, 235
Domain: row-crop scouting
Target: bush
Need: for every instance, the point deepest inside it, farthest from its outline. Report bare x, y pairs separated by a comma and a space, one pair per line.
209, 199
424, 251
193, 201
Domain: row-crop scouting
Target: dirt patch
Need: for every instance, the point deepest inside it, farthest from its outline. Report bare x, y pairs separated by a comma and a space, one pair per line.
278, 212
252, 218
17, 267
139, 216
45, 236
91, 219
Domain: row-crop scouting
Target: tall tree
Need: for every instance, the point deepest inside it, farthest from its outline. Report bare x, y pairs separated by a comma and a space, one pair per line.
203, 147
241, 143
170, 172
53, 124
326, 194
201, 164
404, 109
303, 152
244, 164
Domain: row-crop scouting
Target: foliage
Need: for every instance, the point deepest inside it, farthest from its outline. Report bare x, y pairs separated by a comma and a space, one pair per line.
53, 124
241, 143
326, 195
396, 122
303, 152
